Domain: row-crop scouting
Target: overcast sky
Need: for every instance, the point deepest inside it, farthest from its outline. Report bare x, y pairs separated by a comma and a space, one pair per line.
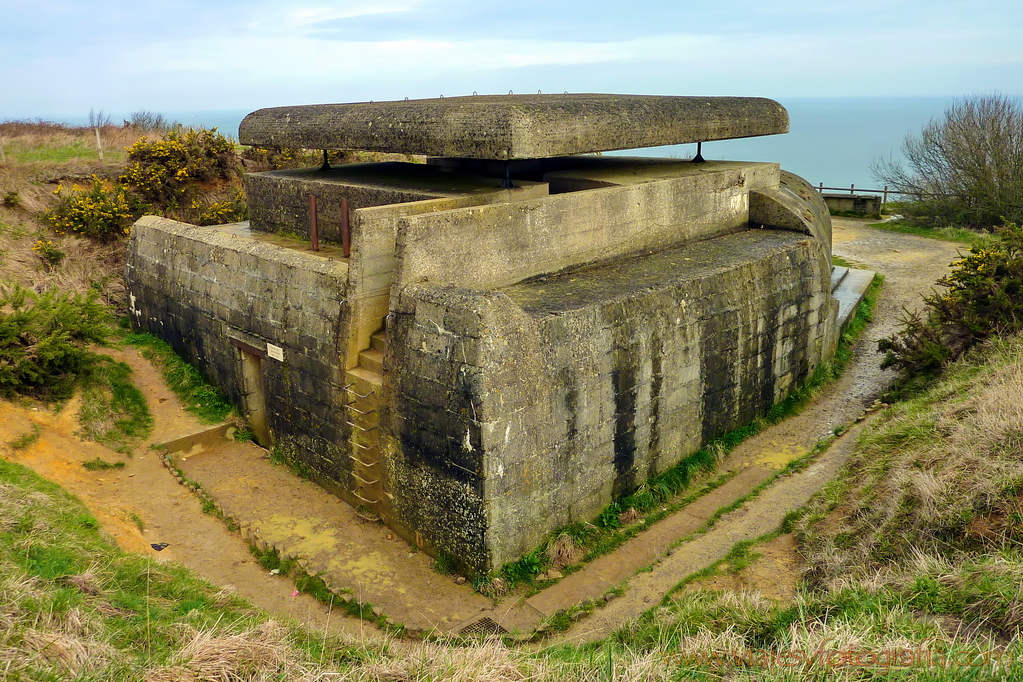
62, 58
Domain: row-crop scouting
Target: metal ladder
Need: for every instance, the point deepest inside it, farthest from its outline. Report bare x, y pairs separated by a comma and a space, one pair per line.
363, 396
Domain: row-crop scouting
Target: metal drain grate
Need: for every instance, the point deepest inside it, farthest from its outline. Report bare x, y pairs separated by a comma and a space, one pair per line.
483, 626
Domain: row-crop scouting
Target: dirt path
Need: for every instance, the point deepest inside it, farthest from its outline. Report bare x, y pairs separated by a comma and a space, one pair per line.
308, 521
143, 504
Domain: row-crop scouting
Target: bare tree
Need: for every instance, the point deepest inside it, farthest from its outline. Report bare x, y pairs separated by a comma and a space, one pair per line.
149, 122
965, 168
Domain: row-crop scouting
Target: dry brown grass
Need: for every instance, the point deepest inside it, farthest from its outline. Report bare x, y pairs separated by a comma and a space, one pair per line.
564, 551
262, 653
266, 653
935, 476
22, 135
28, 188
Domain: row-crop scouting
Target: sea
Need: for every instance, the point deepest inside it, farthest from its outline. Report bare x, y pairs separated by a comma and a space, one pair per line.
832, 141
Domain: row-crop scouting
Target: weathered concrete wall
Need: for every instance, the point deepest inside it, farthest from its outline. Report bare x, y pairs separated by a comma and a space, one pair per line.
374, 230
862, 204
517, 411
495, 245
546, 354
514, 126
278, 201
793, 205
201, 290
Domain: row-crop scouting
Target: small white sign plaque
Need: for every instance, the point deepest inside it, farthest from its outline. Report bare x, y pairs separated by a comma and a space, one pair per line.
276, 352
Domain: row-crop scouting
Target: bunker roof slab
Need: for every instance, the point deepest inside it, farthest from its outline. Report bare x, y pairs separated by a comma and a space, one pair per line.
514, 126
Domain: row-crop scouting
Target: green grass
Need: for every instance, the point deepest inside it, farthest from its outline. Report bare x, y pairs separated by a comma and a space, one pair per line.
114, 411
65, 585
99, 464
56, 563
958, 235
198, 397
60, 576
24, 441
64, 153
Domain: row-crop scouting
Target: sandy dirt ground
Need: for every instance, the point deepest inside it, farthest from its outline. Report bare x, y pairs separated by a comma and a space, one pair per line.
142, 504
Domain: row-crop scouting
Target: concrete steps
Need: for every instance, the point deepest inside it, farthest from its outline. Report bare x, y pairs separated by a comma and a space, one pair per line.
838, 274
372, 359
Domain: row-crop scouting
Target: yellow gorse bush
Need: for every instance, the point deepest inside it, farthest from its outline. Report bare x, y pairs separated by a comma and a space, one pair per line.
99, 212
163, 172
182, 176
48, 252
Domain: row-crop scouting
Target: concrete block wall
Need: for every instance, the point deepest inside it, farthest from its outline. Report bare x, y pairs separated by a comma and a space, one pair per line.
278, 201
547, 354
201, 290
520, 410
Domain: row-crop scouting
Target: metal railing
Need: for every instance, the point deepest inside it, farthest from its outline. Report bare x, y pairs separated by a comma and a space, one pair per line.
885, 193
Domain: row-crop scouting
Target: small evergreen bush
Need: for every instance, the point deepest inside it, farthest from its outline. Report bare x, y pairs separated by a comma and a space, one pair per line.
984, 298
43, 340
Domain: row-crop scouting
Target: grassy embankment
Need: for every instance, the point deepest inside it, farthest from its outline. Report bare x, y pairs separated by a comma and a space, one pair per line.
69, 276
959, 235
914, 549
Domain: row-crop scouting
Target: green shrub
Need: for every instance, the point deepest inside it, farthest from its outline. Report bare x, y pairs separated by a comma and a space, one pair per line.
165, 172
48, 253
103, 212
43, 340
984, 298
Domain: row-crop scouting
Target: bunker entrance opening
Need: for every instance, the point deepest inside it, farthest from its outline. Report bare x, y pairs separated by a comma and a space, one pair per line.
254, 394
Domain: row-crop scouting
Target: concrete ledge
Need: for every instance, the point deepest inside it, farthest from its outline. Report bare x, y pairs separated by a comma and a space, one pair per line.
514, 126
849, 286
205, 438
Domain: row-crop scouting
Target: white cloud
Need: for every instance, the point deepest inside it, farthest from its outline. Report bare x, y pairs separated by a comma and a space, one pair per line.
311, 58
234, 54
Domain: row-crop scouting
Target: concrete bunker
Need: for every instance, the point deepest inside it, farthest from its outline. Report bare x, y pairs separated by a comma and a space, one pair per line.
506, 338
